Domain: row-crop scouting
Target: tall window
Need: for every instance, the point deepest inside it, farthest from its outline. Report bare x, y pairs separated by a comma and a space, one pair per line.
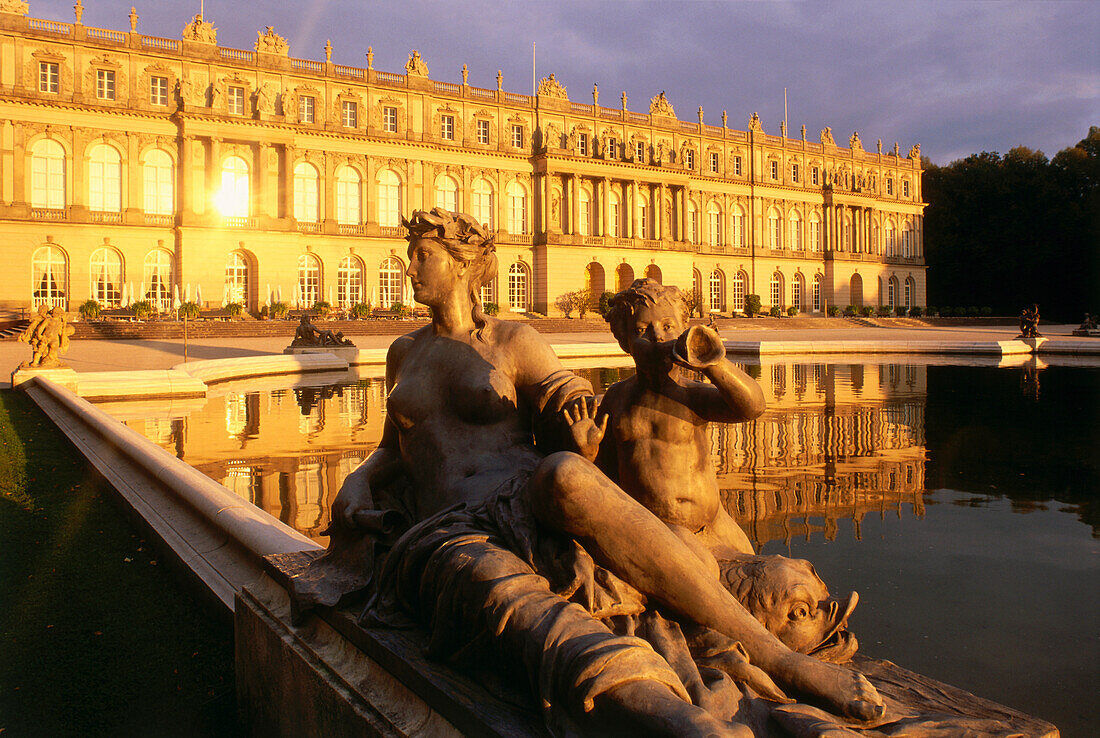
158, 90
157, 277
815, 232
716, 288
816, 293
106, 287
639, 152
349, 282
307, 109
738, 227
517, 287
483, 131
889, 186
517, 208
795, 231
447, 127
235, 100
775, 230
349, 196
737, 166
775, 170
847, 225
309, 279
236, 279
777, 289
582, 144
234, 197
391, 281
891, 292
488, 292
584, 213
794, 172
714, 225
482, 201
643, 218
349, 114
446, 194
908, 292
105, 84
389, 199
306, 193
47, 175
693, 223
739, 281
905, 188
907, 245
159, 183
389, 119
616, 216
814, 177
796, 291
104, 179
714, 162
517, 136
689, 159
49, 77
50, 275
611, 151
891, 243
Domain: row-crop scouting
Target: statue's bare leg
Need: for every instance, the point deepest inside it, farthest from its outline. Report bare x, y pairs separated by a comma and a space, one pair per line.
570, 494
651, 709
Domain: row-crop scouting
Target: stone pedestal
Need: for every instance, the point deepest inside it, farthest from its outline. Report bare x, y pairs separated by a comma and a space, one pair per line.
63, 375
348, 353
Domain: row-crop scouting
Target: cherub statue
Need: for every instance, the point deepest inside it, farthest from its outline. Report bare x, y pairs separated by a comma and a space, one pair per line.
48, 335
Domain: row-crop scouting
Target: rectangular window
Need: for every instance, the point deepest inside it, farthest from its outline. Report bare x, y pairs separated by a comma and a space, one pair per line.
775, 170
517, 136
483, 131
582, 144
49, 79
612, 148
889, 186
350, 114
389, 119
158, 90
447, 127
714, 162
235, 100
105, 84
689, 159
737, 166
640, 152
794, 172
814, 177
307, 109
905, 188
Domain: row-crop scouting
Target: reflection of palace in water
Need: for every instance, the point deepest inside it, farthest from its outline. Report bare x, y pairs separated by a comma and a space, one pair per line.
837, 441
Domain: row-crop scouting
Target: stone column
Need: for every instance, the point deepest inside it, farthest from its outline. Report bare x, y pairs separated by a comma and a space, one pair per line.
369, 195
289, 153
605, 207
681, 214
632, 208
659, 224
213, 168
547, 195
574, 204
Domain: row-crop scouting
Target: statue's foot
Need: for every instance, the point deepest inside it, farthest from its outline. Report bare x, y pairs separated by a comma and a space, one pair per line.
838, 688
652, 709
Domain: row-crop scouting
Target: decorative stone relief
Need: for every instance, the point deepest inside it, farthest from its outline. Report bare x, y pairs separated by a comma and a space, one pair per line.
15, 7
914, 153
265, 98
660, 105
550, 87
827, 136
854, 143
754, 124
269, 42
200, 31
415, 66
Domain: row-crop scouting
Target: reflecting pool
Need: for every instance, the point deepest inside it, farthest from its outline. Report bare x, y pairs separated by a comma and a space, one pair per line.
962, 502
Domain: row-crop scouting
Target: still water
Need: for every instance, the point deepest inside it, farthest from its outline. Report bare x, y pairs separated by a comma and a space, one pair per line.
962, 502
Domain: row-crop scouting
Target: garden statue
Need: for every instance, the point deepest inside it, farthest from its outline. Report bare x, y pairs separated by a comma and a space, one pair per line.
308, 335
1029, 322
48, 335
1087, 325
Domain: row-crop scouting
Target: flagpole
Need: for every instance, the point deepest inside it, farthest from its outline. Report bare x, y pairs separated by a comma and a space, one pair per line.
784, 108
533, 90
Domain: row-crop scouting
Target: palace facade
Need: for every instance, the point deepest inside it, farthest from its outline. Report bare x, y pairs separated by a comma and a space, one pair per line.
139, 167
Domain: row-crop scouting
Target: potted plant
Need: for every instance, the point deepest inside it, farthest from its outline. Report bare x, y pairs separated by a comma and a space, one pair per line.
90, 310
143, 309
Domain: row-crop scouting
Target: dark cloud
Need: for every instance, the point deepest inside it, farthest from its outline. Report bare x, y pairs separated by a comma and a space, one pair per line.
958, 77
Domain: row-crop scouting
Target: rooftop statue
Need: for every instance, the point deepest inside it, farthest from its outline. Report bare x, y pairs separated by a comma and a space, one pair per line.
550, 87
415, 66
200, 31
269, 42
48, 335
659, 105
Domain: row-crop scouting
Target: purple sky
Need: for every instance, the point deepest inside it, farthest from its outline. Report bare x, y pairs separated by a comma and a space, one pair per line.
957, 77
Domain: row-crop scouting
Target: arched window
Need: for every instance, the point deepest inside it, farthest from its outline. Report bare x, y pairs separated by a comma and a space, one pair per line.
797, 288
236, 279
777, 289
349, 282
794, 230
775, 230
488, 292
714, 225
157, 277
738, 227
104, 179
306, 193
517, 209
594, 282
697, 289
693, 223
517, 287
855, 291
739, 282
892, 292
815, 232
616, 214
234, 199
159, 179
446, 194
907, 241
47, 175
309, 280
483, 204
50, 273
389, 199
624, 276
584, 213
106, 286
391, 282
653, 272
349, 196
816, 293
891, 243
848, 233
717, 291
909, 285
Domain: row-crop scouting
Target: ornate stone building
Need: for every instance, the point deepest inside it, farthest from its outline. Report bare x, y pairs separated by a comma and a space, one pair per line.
133, 166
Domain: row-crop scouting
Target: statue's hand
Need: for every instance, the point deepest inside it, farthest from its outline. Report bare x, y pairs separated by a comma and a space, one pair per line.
353, 498
580, 416
699, 347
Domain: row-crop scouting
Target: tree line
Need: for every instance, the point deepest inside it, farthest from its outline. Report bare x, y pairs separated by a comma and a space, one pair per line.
1006, 231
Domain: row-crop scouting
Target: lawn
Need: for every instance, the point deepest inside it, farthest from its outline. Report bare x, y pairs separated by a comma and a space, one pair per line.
97, 637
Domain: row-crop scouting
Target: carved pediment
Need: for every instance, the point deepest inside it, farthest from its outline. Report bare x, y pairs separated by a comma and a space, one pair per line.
415, 66
550, 87
660, 105
269, 42
200, 31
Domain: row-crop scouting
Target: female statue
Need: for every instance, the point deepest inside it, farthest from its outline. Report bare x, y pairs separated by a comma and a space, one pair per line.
526, 553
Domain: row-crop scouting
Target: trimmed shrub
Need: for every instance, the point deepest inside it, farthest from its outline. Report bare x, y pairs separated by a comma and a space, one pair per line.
867, 311
930, 311
235, 309
278, 310
359, 310
792, 311
491, 308
945, 312
987, 311
915, 311
322, 308
399, 310
884, 311
972, 311
188, 310
834, 311
850, 311
90, 310
752, 305
605, 306
143, 309
775, 311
